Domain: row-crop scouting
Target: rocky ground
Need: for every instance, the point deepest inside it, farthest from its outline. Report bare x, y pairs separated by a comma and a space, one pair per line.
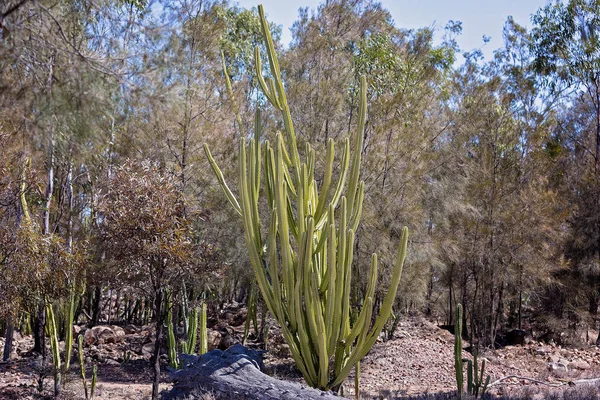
419, 359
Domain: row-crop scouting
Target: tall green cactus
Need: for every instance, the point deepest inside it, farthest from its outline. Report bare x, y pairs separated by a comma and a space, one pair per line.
302, 260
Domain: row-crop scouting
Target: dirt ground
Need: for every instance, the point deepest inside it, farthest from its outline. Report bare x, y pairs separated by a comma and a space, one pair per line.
418, 360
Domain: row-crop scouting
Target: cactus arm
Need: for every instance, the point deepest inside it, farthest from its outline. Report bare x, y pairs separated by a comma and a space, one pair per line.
358, 144
326, 185
485, 386
192, 332
361, 350
82, 364
365, 313
358, 206
94, 380
343, 173
229, 88
69, 329
22, 198
221, 180
261, 80
203, 330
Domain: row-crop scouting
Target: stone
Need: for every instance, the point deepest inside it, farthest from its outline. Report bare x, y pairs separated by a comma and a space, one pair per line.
147, 350
89, 338
104, 334
579, 364
213, 339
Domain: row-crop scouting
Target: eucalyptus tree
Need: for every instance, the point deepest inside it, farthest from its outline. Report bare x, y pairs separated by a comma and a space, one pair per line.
567, 57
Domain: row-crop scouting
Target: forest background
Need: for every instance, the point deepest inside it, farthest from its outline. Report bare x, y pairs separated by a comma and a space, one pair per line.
493, 165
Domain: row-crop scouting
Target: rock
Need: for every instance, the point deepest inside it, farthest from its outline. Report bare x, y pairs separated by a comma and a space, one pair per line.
104, 334
561, 365
119, 333
214, 338
76, 330
112, 362
579, 364
516, 337
130, 329
89, 338
234, 374
542, 351
147, 350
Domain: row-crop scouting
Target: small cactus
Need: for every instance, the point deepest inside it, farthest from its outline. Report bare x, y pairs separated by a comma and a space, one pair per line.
82, 364
475, 385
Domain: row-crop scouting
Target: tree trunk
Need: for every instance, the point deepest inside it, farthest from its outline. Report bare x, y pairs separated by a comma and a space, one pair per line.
39, 334
10, 328
96, 306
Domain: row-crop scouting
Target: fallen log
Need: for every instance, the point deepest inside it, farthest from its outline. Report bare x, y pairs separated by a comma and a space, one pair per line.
234, 374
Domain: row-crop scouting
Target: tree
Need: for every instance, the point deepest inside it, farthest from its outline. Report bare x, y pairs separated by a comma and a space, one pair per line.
147, 238
566, 47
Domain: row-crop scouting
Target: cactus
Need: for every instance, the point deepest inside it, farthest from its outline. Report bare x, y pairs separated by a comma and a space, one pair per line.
171, 341
82, 364
94, 380
69, 329
475, 385
203, 330
190, 344
52, 333
251, 314
302, 256
357, 381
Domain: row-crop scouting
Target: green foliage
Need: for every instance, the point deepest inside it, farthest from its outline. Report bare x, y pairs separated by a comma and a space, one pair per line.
310, 238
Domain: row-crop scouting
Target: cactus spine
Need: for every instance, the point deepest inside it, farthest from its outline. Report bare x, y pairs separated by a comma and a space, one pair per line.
302, 256
475, 385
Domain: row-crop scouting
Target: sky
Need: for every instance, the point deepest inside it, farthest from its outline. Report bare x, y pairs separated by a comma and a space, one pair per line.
478, 17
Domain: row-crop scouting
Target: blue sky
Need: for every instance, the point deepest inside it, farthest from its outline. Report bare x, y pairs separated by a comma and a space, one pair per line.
479, 17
